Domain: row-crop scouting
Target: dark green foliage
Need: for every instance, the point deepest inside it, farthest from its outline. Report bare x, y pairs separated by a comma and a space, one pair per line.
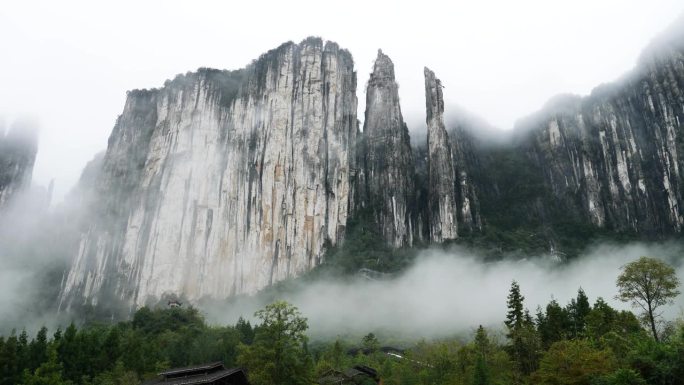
38, 349
370, 343
514, 317
659, 363
364, 247
244, 328
574, 362
279, 354
482, 347
620, 377
577, 311
122, 353
553, 325
603, 319
576, 344
523, 338
10, 366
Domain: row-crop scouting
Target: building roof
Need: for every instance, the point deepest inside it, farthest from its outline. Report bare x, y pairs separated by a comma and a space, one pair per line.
348, 376
207, 378
193, 368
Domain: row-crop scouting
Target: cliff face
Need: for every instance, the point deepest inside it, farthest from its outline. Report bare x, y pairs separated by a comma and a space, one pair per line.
221, 183
442, 212
18, 148
614, 158
224, 182
465, 153
387, 166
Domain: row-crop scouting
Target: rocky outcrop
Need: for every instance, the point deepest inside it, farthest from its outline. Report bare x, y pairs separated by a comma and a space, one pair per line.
18, 148
223, 182
442, 207
387, 171
465, 153
615, 157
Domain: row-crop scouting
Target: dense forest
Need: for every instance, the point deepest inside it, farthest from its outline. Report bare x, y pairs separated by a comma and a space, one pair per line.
579, 343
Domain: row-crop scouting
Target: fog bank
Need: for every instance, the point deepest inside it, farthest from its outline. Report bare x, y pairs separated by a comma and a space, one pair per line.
450, 293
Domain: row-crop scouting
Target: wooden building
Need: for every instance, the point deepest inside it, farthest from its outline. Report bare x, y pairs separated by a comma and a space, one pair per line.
358, 375
206, 374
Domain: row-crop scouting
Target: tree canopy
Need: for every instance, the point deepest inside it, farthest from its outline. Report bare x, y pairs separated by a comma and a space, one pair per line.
648, 283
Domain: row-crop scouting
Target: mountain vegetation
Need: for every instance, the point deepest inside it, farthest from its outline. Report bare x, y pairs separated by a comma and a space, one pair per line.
579, 343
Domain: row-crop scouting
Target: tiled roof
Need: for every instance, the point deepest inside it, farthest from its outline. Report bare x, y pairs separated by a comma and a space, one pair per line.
212, 365
198, 379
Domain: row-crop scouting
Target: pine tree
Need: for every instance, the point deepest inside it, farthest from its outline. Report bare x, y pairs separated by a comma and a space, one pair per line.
23, 351
38, 349
48, 373
515, 315
577, 311
68, 353
523, 337
554, 327
481, 373
9, 362
246, 331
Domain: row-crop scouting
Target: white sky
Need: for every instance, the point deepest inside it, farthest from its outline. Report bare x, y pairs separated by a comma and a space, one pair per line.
69, 63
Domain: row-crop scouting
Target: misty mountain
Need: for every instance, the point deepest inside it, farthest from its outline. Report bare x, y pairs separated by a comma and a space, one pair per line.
18, 148
221, 183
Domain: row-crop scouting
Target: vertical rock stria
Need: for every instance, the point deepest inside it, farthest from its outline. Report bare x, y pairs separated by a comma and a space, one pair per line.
387, 179
466, 162
615, 157
18, 148
223, 182
442, 211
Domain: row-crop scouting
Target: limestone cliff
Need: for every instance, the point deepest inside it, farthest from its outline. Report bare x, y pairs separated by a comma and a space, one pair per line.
387, 167
223, 182
18, 148
442, 211
615, 157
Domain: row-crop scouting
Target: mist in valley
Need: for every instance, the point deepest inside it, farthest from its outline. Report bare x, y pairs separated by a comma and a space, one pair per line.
448, 293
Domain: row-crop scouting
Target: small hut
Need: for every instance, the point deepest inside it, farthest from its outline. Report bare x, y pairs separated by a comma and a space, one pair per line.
358, 375
207, 374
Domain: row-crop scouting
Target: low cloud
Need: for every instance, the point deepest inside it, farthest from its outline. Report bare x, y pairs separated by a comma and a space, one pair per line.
447, 293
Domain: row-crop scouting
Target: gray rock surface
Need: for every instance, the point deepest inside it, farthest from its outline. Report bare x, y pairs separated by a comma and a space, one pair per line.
387, 170
223, 182
442, 211
18, 148
616, 155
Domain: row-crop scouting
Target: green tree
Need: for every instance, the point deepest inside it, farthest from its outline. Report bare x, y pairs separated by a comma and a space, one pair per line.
658, 362
38, 349
577, 311
515, 315
48, 373
573, 362
524, 342
23, 354
648, 283
246, 331
481, 372
370, 343
620, 377
603, 319
68, 352
553, 325
279, 354
9, 362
